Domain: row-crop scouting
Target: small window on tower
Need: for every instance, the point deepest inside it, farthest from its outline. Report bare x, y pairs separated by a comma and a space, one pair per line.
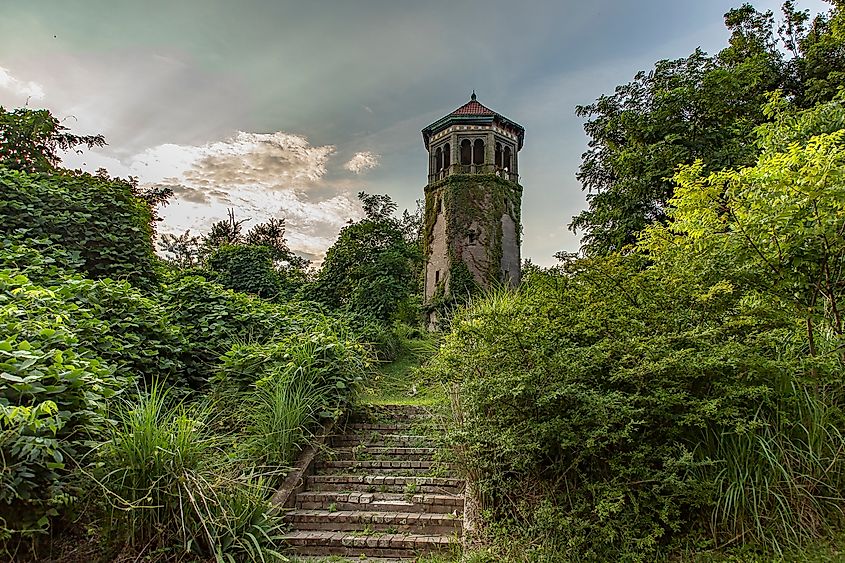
473, 237
437, 277
439, 205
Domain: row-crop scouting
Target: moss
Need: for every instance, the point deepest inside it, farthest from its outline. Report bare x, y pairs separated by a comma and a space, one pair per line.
473, 198
469, 199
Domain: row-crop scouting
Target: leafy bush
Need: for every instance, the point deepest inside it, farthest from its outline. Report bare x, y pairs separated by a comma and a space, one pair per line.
213, 318
324, 359
247, 269
38, 260
587, 394
109, 319
99, 219
52, 401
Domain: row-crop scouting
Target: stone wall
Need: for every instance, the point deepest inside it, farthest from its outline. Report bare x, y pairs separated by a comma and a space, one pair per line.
511, 260
477, 225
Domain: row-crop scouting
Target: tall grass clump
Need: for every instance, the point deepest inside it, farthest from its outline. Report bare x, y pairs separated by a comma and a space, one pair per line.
170, 484
780, 481
283, 409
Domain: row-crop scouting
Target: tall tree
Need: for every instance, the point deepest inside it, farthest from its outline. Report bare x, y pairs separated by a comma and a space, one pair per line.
371, 268
698, 108
30, 140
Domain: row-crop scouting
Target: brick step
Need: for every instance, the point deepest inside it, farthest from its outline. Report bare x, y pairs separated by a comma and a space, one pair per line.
383, 453
385, 484
371, 466
377, 426
349, 520
312, 542
380, 502
381, 440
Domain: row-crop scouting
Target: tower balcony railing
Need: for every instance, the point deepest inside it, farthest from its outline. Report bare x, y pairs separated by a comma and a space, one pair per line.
473, 169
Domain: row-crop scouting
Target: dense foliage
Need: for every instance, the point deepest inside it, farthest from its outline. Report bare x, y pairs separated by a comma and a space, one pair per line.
371, 268
162, 405
99, 220
698, 108
685, 395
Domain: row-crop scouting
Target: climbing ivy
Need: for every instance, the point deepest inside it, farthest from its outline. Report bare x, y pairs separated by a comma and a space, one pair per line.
472, 198
467, 199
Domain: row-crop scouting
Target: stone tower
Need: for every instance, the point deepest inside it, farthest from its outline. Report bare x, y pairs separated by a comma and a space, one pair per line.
472, 202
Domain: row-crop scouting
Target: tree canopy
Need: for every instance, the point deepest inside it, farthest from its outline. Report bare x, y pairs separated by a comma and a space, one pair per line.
701, 107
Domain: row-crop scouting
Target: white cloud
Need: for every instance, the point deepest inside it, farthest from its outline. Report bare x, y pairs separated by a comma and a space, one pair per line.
260, 175
362, 161
19, 88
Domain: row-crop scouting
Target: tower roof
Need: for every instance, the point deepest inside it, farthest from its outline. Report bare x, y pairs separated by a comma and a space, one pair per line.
475, 113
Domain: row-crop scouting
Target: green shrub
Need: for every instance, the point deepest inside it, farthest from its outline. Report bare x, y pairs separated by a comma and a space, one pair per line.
324, 359
52, 401
39, 260
109, 319
215, 320
247, 269
588, 392
99, 219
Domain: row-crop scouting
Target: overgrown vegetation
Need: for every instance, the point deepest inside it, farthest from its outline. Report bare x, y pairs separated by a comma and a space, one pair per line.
684, 396
470, 204
674, 393
156, 404
678, 393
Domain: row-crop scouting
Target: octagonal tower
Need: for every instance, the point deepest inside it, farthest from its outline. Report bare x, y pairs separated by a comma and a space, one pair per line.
472, 201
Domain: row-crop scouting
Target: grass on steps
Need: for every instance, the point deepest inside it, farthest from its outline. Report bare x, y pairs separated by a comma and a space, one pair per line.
398, 382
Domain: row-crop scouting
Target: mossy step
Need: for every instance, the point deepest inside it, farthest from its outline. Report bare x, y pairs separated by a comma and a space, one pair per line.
344, 544
374, 464
381, 440
376, 413
378, 426
352, 520
380, 502
383, 453
385, 484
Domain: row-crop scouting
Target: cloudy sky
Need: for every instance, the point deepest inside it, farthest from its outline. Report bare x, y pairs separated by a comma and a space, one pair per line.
289, 108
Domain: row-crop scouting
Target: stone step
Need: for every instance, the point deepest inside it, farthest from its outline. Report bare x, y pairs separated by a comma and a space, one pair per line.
383, 453
349, 520
385, 484
381, 466
380, 502
381, 440
314, 542
377, 426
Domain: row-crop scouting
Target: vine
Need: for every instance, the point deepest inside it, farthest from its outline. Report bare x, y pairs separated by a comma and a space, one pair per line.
471, 203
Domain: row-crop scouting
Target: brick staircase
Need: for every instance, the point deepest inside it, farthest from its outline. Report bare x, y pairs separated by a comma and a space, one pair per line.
378, 492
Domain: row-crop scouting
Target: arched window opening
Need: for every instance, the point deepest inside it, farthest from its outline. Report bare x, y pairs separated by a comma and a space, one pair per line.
466, 152
438, 160
447, 156
498, 155
478, 152
506, 161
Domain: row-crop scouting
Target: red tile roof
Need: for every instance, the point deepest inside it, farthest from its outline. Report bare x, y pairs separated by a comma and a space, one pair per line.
473, 107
